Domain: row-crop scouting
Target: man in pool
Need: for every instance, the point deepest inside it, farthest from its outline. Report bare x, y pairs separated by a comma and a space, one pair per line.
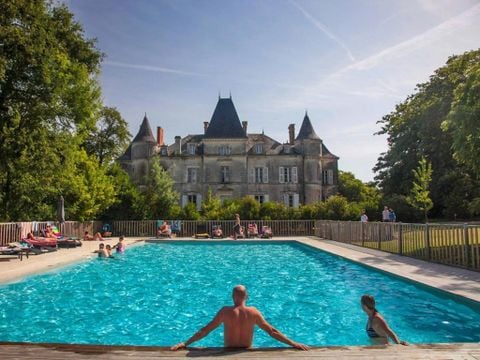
239, 321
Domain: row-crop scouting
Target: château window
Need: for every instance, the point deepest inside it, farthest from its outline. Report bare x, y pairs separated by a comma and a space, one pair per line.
192, 175
224, 150
287, 175
327, 177
259, 175
261, 198
258, 148
192, 199
225, 174
192, 149
291, 200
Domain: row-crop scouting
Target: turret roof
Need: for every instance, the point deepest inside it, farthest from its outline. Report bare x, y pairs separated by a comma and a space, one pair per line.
225, 122
306, 130
145, 133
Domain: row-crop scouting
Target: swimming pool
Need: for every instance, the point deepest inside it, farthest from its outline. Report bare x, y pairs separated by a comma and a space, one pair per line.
160, 294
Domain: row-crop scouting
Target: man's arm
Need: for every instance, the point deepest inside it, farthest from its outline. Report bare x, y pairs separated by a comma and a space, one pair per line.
200, 334
274, 333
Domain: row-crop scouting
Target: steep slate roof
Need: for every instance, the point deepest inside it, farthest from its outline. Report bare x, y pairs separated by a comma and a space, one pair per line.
145, 133
326, 152
306, 130
225, 123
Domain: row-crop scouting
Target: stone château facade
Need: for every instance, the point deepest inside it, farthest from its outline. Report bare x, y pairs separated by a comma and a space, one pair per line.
234, 163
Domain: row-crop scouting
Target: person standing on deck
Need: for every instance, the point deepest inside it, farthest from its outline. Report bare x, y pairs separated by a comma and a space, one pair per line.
237, 229
385, 214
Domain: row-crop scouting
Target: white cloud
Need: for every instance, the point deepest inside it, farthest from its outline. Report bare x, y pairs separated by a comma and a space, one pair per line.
430, 36
319, 25
430, 47
151, 68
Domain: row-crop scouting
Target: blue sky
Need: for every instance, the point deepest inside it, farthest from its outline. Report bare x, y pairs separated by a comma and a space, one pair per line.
347, 62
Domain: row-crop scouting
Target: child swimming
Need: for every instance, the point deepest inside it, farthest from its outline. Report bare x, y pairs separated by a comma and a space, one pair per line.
120, 245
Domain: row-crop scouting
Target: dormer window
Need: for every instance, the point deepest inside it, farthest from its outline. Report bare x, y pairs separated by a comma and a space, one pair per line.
191, 149
258, 148
224, 150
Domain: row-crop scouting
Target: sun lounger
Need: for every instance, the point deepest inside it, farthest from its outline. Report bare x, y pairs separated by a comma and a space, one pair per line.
266, 232
176, 226
252, 230
15, 249
68, 242
44, 244
217, 232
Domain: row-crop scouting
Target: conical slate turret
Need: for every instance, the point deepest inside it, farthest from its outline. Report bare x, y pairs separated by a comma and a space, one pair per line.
306, 130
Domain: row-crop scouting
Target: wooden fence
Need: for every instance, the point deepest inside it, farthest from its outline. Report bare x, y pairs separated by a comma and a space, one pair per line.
450, 244
11, 232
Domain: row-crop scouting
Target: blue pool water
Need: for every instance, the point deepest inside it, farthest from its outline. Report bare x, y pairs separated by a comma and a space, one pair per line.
160, 294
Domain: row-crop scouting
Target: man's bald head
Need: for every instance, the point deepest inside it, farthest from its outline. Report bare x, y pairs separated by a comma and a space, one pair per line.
239, 294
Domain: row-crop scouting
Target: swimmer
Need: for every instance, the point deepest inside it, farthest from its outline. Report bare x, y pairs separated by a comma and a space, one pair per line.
108, 249
102, 252
377, 328
120, 246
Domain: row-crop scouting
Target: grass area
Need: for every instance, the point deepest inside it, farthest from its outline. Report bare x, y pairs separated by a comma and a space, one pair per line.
447, 245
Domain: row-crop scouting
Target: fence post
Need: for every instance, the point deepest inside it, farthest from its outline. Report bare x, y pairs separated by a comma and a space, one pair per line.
427, 242
400, 239
467, 249
380, 234
363, 233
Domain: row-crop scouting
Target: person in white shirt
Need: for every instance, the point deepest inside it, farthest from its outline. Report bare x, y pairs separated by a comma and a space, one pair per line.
364, 217
385, 214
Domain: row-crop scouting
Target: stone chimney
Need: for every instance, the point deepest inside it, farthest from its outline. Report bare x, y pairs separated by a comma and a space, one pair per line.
205, 127
159, 136
178, 145
244, 125
291, 133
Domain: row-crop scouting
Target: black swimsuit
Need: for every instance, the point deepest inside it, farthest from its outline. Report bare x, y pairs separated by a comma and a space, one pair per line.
370, 331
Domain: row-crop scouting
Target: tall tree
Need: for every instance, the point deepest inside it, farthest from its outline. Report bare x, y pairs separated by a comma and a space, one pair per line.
415, 129
419, 196
366, 195
49, 100
159, 192
211, 207
129, 203
110, 137
463, 120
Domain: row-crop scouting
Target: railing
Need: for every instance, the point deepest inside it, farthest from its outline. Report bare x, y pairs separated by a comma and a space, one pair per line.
11, 232
450, 244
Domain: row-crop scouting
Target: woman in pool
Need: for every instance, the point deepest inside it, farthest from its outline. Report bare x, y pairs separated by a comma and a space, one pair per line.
377, 328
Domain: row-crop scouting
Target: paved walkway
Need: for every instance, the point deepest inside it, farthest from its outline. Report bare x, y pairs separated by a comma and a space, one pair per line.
393, 352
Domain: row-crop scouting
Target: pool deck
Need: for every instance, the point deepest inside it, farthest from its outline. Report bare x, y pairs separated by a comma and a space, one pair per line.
11, 351
457, 281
